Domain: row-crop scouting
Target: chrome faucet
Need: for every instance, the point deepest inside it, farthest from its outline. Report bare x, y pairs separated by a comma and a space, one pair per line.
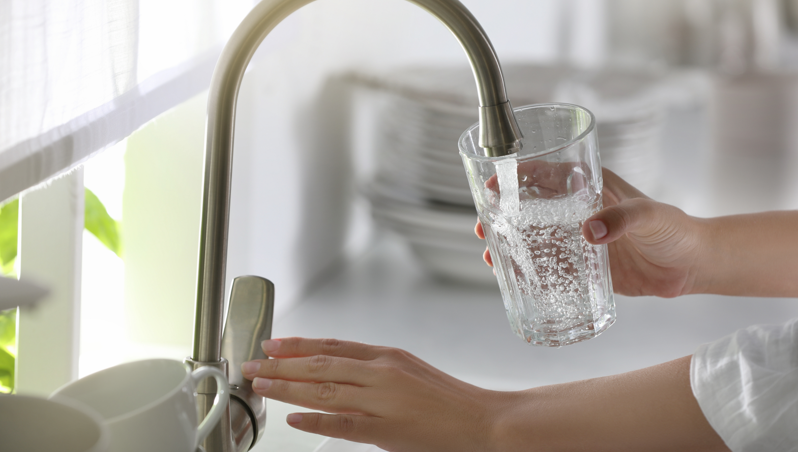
252, 298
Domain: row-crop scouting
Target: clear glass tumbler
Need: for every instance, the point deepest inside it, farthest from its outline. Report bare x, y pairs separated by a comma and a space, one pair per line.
555, 285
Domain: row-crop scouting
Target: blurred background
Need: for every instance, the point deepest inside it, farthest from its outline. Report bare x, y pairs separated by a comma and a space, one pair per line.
349, 194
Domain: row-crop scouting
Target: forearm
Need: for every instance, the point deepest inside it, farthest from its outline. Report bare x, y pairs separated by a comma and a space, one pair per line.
650, 409
750, 255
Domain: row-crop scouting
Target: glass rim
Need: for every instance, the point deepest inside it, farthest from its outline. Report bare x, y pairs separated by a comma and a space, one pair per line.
542, 153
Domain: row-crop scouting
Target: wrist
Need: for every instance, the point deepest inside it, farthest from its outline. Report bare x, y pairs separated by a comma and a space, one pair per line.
709, 258
749, 255
535, 419
513, 422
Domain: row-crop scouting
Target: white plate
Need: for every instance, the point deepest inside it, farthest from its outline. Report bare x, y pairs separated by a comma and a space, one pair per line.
455, 265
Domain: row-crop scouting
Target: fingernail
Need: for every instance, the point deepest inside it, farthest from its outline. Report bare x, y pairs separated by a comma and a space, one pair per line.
294, 418
598, 228
261, 383
250, 367
270, 345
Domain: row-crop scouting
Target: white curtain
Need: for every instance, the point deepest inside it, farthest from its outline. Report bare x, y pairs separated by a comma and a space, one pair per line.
79, 75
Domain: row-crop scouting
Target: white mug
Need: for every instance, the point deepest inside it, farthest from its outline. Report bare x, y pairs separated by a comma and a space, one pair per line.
150, 405
30, 423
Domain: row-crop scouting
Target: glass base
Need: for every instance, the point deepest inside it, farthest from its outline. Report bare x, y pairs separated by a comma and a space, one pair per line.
549, 337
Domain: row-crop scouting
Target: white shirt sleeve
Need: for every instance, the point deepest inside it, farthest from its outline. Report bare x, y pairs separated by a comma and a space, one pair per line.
747, 387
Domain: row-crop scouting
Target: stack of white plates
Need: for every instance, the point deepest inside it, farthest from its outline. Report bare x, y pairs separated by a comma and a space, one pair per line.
755, 146
440, 235
629, 115
423, 113
420, 189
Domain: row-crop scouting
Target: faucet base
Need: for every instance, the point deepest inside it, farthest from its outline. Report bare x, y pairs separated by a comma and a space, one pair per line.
220, 439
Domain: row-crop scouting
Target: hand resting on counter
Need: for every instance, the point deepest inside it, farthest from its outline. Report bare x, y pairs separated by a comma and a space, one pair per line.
390, 398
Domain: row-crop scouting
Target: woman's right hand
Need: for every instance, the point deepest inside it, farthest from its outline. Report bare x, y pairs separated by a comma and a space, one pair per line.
653, 247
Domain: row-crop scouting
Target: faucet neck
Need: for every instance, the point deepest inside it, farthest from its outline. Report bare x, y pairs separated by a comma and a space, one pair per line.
500, 135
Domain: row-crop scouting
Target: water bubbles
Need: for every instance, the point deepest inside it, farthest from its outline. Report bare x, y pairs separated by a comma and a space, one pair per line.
552, 264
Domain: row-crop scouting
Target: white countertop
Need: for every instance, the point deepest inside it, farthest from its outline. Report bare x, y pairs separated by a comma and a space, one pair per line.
384, 298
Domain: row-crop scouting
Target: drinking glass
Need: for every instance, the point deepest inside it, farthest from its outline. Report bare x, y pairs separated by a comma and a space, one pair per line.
555, 285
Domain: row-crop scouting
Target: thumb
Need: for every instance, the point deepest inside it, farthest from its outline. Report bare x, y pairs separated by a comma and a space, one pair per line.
634, 215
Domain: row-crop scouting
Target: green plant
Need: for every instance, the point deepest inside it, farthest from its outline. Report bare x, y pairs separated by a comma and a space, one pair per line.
9, 220
8, 349
96, 220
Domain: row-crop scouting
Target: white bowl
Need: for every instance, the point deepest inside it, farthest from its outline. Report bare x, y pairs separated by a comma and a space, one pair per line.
29, 423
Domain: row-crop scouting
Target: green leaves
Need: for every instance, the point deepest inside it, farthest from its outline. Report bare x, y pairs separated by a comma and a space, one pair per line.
9, 226
8, 352
9, 221
98, 222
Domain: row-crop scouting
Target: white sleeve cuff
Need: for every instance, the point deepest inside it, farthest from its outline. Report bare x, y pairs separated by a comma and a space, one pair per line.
747, 387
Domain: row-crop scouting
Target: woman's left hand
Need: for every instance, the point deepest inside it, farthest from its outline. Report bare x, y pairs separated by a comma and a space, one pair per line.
390, 398
377, 395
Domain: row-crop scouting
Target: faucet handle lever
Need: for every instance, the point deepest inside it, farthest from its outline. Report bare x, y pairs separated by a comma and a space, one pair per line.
249, 322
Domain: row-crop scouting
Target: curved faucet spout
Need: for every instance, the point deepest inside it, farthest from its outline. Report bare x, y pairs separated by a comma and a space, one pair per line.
499, 135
